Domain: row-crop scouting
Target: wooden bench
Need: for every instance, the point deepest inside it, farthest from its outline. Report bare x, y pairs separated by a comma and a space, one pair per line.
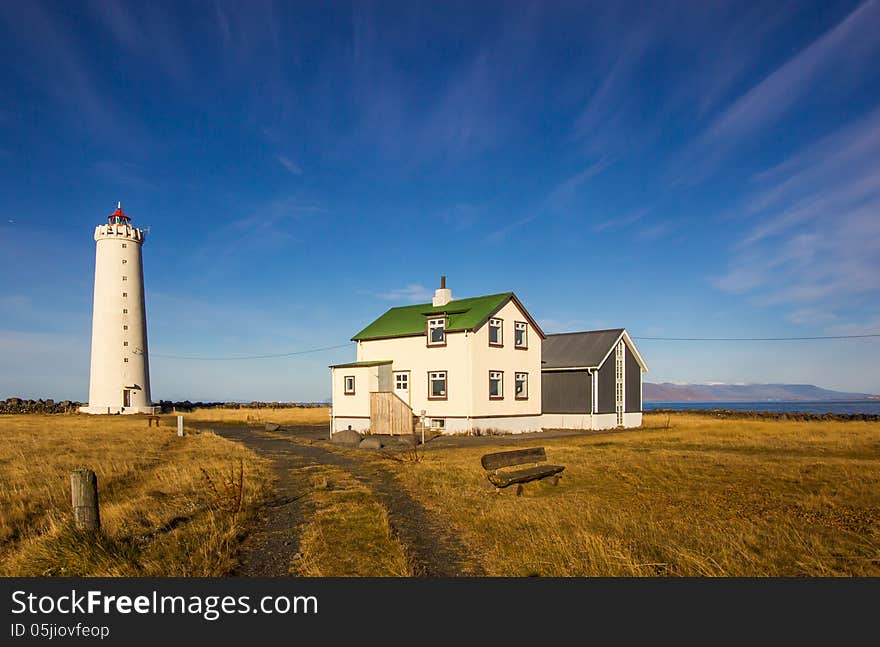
495, 463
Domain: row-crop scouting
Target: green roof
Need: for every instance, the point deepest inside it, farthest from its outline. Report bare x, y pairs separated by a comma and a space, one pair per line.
461, 314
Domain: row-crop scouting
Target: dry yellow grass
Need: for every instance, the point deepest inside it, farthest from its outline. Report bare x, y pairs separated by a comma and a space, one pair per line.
159, 516
347, 534
281, 416
705, 497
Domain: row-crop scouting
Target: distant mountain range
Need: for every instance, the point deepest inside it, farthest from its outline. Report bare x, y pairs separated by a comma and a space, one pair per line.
668, 392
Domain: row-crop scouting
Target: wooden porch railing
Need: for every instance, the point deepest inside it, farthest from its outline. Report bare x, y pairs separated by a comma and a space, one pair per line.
389, 414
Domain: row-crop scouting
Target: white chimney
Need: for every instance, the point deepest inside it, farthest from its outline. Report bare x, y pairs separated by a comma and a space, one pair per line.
442, 295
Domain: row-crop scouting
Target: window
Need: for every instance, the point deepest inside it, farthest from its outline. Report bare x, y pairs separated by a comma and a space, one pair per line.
436, 332
495, 332
124, 245
521, 386
125, 327
437, 385
125, 311
520, 336
124, 278
125, 294
496, 386
124, 261
125, 359
349, 384
438, 423
401, 381
125, 343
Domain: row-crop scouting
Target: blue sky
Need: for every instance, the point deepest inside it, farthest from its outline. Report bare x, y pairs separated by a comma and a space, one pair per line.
683, 170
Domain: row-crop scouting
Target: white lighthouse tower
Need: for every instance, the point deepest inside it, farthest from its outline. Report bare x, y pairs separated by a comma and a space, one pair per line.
119, 380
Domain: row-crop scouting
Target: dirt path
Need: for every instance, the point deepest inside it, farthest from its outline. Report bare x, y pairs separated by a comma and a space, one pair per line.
431, 549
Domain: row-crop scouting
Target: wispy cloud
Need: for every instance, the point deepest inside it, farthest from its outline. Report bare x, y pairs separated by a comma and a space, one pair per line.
412, 293
461, 216
558, 198
290, 165
124, 174
603, 125
265, 227
815, 244
852, 41
852, 44
56, 63
622, 221
562, 195
145, 30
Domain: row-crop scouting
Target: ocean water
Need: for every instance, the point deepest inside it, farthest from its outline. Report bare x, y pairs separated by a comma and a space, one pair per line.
824, 406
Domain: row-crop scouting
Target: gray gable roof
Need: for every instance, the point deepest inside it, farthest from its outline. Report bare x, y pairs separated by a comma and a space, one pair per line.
577, 349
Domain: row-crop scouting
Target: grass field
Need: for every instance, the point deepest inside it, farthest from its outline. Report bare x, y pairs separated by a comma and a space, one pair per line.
348, 533
701, 497
281, 416
164, 508
705, 497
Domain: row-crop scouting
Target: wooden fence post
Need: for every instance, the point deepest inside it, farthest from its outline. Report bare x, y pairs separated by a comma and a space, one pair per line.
180, 426
84, 499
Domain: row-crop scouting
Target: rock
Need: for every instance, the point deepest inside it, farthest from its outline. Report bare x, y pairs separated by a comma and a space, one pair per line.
371, 442
297, 556
271, 426
347, 437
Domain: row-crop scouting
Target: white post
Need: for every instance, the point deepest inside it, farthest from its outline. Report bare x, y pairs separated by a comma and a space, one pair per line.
180, 426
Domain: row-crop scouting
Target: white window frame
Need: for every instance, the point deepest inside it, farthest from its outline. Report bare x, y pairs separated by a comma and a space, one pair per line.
525, 380
345, 389
500, 379
498, 324
524, 327
434, 324
431, 378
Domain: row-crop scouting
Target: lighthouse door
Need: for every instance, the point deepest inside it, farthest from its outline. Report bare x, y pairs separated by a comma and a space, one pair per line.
126, 397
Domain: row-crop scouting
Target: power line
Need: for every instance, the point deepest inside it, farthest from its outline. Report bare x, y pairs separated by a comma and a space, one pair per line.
757, 338
326, 348
217, 359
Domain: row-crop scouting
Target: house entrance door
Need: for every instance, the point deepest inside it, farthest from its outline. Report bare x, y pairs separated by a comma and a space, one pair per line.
126, 397
401, 385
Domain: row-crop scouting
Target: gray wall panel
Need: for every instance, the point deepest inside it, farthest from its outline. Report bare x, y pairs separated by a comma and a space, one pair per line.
633, 386
565, 392
605, 397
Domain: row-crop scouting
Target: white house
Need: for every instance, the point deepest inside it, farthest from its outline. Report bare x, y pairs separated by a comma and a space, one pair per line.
474, 365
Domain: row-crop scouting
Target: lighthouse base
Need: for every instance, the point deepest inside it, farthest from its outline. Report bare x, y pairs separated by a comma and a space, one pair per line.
119, 410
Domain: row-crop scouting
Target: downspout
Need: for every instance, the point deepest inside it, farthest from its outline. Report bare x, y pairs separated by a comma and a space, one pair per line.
592, 399
332, 397
470, 365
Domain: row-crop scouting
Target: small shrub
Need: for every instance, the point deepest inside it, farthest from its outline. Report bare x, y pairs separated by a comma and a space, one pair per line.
226, 491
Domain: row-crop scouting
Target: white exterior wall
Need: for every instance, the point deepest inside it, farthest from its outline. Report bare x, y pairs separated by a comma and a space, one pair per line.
357, 405
604, 421
110, 373
509, 360
467, 359
411, 354
567, 421
354, 410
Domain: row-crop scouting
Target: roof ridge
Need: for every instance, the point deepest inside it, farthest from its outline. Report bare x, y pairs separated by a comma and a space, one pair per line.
584, 332
431, 305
